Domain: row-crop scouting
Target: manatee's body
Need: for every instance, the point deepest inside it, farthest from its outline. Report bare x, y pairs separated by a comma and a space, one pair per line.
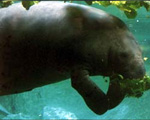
53, 41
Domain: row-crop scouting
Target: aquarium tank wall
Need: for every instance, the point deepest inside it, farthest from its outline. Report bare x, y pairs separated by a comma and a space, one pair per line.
61, 101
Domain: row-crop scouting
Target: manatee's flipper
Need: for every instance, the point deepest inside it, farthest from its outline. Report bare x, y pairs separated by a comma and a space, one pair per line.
94, 97
114, 94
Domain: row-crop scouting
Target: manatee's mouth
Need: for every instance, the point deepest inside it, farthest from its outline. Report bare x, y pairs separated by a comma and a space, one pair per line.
132, 68
137, 73
133, 75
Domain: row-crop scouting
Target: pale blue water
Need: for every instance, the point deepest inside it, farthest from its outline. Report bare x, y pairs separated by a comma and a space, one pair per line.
61, 101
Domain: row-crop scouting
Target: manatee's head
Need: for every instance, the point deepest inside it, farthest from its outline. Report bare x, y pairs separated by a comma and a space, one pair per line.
127, 57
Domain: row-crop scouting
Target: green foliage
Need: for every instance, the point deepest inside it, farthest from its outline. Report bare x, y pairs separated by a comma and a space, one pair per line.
28, 4
132, 87
129, 7
89, 2
5, 3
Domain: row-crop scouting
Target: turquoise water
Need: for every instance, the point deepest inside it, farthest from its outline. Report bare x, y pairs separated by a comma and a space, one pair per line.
61, 101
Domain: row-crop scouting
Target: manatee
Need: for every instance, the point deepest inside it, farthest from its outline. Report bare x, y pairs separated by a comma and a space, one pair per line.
54, 41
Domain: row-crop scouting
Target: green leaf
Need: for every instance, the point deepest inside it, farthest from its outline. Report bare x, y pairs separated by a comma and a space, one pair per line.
132, 14
6, 3
121, 77
88, 2
28, 4
105, 3
146, 5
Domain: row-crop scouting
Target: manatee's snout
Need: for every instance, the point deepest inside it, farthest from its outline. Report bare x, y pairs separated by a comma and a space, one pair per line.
135, 71
139, 72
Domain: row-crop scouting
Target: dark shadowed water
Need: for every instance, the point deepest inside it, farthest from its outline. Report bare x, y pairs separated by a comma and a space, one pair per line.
61, 101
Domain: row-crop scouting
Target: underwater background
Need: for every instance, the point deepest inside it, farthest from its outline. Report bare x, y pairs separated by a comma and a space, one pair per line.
61, 101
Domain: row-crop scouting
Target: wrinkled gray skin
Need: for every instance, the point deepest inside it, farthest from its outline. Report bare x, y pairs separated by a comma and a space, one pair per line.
53, 41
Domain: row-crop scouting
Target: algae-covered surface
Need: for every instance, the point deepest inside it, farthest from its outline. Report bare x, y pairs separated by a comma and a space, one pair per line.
61, 101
